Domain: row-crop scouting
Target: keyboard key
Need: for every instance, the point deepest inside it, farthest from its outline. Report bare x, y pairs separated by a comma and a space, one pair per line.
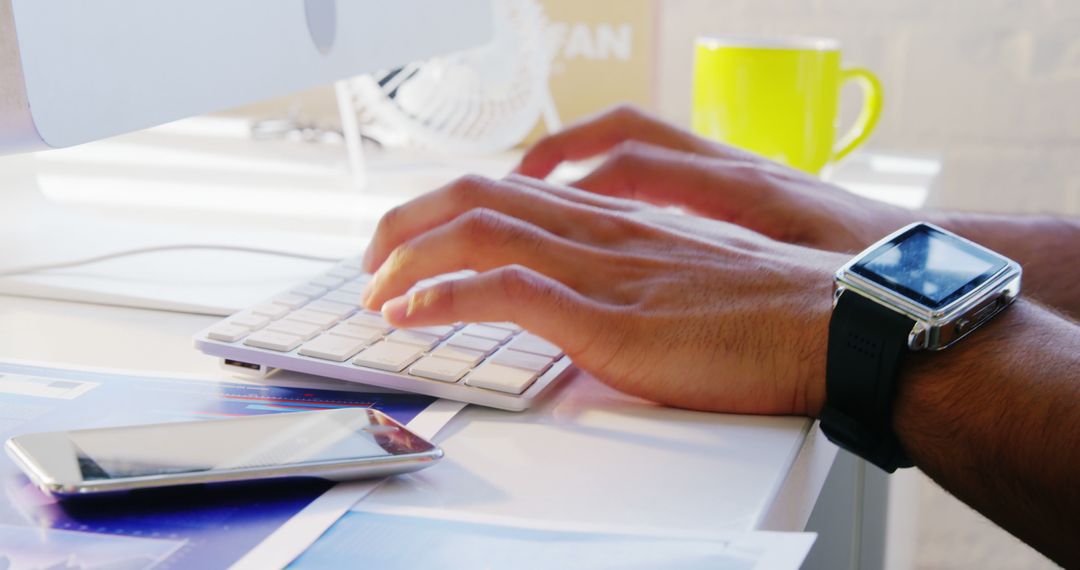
523, 360
344, 272
366, 334
324, 320
442, 369
332, 347
424, 341
345, 297
352, 262
369, 319
390, 356
271, 340
356, 286
471, 357
249, 320
272, 310
483, 345
328, 281
484, 331
306, 331
310, 291
501, 378
228, 333
528, 342
505, 326
440, 331
339, 310
292, 300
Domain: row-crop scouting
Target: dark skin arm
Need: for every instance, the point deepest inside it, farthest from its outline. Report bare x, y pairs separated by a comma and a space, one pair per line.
697, 313
995, 419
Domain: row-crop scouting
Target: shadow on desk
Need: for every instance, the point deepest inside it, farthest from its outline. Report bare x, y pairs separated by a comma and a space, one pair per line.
206, 524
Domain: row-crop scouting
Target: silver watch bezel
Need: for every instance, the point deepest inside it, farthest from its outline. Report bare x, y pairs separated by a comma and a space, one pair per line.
940, 328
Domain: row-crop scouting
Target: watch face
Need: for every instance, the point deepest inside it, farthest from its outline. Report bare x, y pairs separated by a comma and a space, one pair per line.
929, 267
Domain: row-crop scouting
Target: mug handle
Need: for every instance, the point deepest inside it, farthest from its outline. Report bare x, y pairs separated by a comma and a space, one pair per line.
868, 117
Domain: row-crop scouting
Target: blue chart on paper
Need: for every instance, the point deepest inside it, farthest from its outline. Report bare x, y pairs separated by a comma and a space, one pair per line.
201, 527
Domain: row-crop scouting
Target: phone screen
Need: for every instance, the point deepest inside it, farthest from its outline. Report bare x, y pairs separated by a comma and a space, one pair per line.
243, 443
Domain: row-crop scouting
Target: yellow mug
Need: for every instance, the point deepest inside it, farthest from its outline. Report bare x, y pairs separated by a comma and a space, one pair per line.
779, 98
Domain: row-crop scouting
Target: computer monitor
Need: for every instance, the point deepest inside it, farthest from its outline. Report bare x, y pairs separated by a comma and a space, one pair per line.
73, 71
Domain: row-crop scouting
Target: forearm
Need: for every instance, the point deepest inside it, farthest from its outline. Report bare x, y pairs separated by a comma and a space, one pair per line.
1047, 247
995, 420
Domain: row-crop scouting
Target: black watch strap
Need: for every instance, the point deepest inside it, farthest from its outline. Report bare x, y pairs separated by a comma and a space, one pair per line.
866, 341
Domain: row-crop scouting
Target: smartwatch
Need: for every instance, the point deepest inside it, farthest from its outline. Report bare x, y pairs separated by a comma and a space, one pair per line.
921, 288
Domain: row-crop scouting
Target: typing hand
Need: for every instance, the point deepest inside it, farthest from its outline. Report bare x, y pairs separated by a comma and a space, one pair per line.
731, 322
658, 163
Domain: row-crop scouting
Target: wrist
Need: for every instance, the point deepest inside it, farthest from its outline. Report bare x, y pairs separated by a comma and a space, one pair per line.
920, 288
936, 387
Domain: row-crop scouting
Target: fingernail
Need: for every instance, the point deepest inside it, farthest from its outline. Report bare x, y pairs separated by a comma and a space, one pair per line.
396, 309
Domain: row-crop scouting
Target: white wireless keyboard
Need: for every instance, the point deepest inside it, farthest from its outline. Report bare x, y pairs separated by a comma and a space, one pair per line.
319, 328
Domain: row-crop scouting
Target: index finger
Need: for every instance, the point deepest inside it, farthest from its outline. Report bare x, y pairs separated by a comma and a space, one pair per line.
548, 211
600, 133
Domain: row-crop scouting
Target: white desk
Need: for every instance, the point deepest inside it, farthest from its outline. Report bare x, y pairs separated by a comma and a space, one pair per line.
586, 454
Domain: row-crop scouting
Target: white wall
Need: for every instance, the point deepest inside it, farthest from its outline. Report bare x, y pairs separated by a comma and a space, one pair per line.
992, 86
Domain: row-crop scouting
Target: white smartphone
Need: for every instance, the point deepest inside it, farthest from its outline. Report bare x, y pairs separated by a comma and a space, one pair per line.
338, 444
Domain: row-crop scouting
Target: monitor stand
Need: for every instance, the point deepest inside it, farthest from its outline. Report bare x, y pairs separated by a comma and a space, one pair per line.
35, 230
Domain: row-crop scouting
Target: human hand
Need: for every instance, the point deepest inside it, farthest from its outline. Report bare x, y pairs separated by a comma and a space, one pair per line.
658, 163
687, 312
